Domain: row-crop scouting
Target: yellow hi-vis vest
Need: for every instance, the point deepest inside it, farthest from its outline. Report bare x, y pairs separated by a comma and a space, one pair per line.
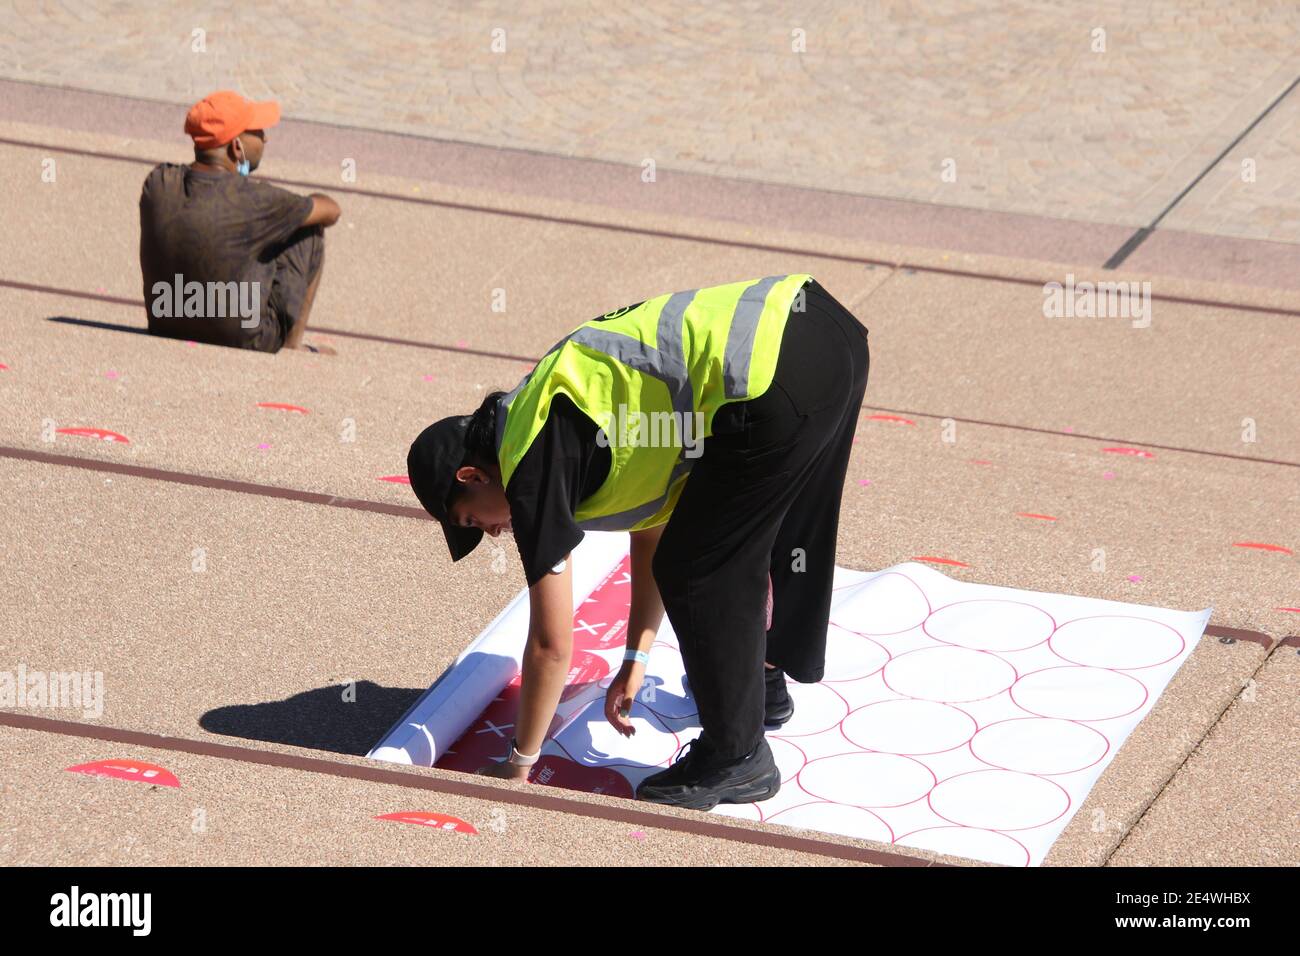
652, 376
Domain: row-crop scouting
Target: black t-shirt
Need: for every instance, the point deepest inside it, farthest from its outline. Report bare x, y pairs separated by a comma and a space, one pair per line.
212, 226
563, 466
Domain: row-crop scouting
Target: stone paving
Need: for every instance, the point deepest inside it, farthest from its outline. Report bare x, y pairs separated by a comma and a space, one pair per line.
1009, 106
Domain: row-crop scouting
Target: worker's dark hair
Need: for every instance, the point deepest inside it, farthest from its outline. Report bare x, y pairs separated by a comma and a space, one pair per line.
480, 441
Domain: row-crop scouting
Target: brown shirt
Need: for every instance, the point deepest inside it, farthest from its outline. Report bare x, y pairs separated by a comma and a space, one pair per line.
213, 227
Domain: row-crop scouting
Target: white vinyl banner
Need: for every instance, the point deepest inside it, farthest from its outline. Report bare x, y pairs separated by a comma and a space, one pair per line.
963, 718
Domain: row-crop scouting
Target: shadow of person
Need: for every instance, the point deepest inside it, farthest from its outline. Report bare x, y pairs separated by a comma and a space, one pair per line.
93, 324
343, 719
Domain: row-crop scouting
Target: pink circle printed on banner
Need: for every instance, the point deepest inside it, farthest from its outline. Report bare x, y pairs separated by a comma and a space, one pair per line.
950, 675
999, 800
913, 727
1039, 745
1079, 693
867, 779
983, 625
1117, 642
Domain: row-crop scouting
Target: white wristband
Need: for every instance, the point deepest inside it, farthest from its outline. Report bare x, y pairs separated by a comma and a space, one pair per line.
641, 657
518, 759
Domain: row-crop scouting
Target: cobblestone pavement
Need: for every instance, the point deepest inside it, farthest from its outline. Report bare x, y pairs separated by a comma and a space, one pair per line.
1011, 106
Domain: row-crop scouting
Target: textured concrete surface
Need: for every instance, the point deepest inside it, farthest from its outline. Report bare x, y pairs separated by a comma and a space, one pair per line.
240, 815
233, 619
404, 269
1252, 192
1139, 384
194, 409
260, 640
1162, 745
272, 603
988, 352
1237, 799
115, 126
1033, 107
1010, 414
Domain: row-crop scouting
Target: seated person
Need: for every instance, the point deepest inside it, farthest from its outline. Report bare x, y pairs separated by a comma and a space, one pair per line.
227, 259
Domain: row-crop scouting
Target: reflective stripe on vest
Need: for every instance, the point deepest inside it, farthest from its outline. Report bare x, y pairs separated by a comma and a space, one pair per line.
666, 362
740, 338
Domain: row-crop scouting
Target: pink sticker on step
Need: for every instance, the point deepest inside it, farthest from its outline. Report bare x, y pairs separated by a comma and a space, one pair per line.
1262, 547
1133, 452
129, 770
933, 560
436, 821
102, 434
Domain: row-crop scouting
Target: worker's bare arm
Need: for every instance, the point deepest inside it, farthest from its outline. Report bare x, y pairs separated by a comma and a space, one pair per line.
644, 618
324, 211
546, 656
647, 610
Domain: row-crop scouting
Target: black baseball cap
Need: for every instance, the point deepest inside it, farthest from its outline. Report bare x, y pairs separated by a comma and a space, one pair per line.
431, 465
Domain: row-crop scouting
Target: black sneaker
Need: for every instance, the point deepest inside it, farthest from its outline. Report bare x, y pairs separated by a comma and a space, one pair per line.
698, 781
777, 705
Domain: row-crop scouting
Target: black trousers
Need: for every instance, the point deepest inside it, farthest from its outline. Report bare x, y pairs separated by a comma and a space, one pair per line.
764, 498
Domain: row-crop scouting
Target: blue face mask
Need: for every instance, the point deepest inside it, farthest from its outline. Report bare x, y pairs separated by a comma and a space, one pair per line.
242, 167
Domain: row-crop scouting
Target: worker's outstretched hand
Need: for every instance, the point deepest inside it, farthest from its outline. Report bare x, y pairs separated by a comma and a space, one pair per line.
621, 695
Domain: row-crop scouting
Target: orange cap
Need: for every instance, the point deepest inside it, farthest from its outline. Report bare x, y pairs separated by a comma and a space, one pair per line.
217, 119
